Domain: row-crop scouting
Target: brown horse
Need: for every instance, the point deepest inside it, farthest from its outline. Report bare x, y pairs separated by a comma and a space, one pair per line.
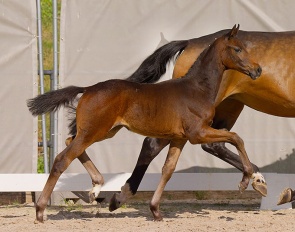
176, 110
272, 93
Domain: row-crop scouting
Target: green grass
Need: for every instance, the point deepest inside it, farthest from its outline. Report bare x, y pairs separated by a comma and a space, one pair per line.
200, 195
47, 44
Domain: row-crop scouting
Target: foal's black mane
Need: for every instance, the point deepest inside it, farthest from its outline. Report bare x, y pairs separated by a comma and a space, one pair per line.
196, 64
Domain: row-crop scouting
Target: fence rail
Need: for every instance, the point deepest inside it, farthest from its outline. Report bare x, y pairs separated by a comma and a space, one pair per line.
178, 182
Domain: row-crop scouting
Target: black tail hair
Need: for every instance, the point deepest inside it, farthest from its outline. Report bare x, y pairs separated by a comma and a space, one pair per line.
51, 101
154, 66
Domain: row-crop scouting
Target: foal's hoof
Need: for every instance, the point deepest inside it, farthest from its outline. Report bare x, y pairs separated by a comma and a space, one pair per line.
93, 194
37, 222
158, 219
260, 187
259, 183
114, 203
285, 197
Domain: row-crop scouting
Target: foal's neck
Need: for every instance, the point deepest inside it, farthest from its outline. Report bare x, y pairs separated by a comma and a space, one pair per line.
206, 73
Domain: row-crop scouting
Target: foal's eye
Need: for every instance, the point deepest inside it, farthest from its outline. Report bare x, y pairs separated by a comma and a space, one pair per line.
237, 49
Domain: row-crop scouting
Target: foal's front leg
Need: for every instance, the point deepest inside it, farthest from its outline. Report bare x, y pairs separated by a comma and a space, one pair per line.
209, 135
150, 149
167, 171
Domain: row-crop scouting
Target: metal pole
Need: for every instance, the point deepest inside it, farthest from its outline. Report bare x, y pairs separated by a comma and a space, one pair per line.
41, 75
55, 79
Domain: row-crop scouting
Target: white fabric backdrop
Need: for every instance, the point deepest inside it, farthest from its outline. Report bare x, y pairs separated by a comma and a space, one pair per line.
18, 74
103, 40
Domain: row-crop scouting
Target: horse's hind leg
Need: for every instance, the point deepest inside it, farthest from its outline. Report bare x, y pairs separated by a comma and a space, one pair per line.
167, 171
150, 149
95, 175
220, 151
61, 162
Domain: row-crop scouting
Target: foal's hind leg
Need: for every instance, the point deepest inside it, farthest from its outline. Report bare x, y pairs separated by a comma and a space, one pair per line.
61, 162
150, 149
95, 175
167, 171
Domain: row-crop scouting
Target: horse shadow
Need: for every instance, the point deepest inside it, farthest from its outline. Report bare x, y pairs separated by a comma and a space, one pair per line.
141, 210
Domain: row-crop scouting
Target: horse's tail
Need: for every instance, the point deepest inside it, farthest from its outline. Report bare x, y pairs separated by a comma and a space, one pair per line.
154, 66
51, 101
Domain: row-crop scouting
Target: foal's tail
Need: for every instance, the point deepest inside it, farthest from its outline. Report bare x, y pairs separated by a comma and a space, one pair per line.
51, 101
154, 66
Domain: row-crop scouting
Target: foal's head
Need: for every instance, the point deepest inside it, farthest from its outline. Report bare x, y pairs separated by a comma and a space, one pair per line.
234, 54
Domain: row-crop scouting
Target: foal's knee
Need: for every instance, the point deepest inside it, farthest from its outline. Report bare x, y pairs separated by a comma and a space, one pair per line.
59, 166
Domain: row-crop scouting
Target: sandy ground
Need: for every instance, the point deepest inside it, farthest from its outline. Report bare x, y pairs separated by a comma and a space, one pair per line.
179, 215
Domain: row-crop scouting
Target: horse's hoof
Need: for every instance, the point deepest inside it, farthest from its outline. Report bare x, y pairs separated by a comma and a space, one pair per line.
93, 194
114, 203
157, 216
158, 219
260, 187
259, 183
37, 221
285, 196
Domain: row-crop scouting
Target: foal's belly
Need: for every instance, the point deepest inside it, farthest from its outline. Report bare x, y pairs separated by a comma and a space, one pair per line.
157, 127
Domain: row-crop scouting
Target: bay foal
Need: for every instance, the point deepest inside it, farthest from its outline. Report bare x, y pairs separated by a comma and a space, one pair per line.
178, 110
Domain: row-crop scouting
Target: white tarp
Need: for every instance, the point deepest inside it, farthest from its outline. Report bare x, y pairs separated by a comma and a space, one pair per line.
18, 73
103, 40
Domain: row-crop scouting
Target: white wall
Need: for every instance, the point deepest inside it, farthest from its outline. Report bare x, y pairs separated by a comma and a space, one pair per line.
103, 40
18, 74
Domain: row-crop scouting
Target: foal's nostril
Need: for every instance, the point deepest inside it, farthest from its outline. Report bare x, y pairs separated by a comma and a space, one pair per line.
259, 70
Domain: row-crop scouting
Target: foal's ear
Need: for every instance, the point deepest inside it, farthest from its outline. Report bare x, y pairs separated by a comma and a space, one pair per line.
234, 31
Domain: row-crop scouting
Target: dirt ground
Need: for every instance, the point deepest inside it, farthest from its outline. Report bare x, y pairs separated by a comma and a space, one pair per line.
199, 214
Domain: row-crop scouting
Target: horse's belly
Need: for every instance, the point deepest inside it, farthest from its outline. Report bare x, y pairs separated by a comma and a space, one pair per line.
270, 103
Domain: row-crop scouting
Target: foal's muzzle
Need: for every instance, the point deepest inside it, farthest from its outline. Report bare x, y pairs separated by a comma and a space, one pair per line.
255, 73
